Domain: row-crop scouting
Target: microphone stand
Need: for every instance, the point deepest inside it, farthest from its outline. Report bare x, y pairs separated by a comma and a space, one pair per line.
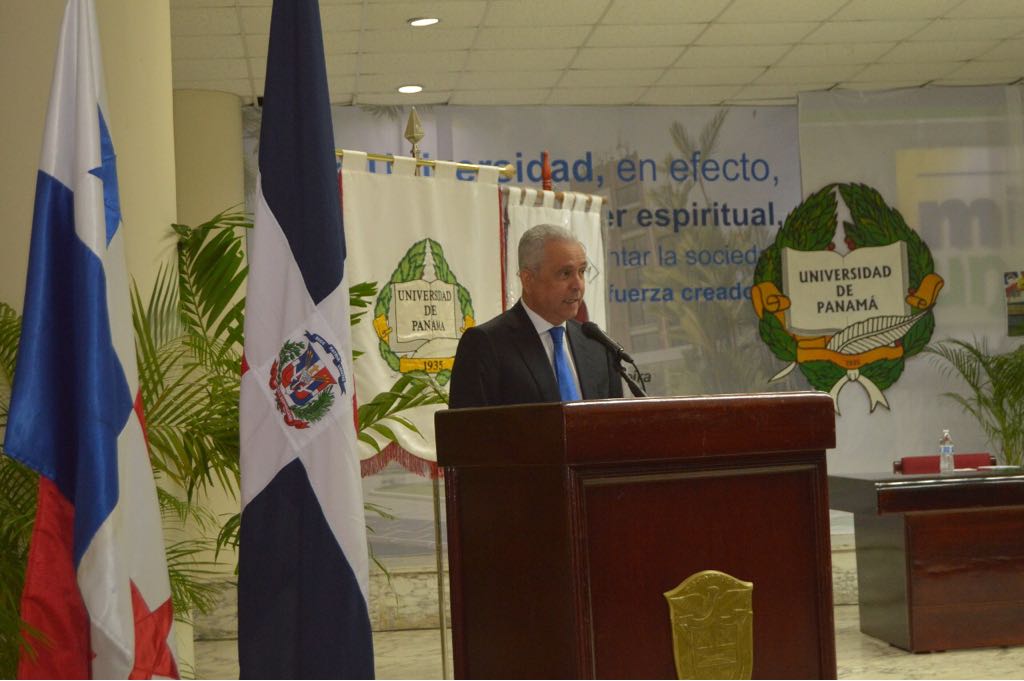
634, 387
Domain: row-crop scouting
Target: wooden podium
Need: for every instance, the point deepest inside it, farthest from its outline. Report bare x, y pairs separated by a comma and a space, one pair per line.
567, 523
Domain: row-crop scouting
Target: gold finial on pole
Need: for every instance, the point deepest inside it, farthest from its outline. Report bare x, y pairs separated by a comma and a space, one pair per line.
414, 133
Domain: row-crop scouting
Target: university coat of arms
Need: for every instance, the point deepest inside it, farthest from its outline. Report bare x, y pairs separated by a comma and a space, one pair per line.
422, 312
846, 317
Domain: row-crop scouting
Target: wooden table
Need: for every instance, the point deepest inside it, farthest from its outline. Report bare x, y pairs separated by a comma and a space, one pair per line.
940, 558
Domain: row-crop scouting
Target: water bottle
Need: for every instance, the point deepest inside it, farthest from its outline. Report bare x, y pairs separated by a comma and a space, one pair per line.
946, 452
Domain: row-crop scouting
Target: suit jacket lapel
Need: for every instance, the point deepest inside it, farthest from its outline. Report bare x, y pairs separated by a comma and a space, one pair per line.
532, 352
590, 364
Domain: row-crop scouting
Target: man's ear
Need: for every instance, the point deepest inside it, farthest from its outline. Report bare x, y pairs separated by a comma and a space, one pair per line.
525, 278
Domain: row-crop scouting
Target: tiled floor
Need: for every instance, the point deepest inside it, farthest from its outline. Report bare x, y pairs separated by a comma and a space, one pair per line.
417, 655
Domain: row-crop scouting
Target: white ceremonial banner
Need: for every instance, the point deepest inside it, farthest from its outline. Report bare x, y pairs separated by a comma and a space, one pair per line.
431, 244
945, 167
581, 215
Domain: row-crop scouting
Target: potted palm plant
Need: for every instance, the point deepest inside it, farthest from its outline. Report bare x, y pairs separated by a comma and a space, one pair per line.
994, 393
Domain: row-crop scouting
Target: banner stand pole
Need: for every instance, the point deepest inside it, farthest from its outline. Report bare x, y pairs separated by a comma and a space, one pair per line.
442, 605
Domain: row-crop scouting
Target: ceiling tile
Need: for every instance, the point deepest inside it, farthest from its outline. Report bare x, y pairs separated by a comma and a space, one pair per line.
512, 52
870, 86
204, 21
340, 42
713, 55
203, 3
595, 96
994, 71
387, 15
959, 50
780, 91
500, 97
209, 69
515, 60
403, 62
971, 29
1007, 49
256, 44
400, 99
341, 83
625, 57
239, 86
875, 10
723, 75
255, 19
530, 37
922, 73
339, 64
409, 40
543, 12
697, 96
504, 80
750, 11
836, 53
580, 78
340, 17
389, 82
756, 34
988, 9
630, 36
799, 75
661, 12
207, 47
258, 68
864, 31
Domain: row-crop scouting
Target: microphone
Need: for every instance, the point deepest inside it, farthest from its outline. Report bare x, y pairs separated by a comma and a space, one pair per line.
594, 332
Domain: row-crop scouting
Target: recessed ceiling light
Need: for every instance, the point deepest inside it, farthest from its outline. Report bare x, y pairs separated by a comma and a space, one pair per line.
410, 89
422, 21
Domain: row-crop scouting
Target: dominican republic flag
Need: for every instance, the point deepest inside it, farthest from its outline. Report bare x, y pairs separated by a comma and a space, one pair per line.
96, 584
303, 565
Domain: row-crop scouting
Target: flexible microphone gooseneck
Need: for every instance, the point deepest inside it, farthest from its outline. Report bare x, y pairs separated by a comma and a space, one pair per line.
594, 332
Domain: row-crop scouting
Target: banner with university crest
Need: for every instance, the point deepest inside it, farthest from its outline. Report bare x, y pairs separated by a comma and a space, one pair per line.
432, 247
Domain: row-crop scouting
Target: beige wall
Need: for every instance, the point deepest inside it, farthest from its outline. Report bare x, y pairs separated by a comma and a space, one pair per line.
210, 179
136, 43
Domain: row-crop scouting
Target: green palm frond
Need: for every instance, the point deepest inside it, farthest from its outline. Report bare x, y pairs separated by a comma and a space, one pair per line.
211, 273
411, 390
10, 332
995, 391
18, 486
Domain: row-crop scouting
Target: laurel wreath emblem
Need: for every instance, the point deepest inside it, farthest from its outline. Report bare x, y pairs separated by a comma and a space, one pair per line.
812, 226
410, 268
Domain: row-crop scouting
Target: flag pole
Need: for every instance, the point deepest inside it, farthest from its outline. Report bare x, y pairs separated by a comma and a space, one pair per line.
414, 133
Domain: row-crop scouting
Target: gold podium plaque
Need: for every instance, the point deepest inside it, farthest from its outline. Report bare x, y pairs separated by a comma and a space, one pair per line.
712, 621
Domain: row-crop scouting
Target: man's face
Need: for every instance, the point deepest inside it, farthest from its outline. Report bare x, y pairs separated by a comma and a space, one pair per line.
555, 290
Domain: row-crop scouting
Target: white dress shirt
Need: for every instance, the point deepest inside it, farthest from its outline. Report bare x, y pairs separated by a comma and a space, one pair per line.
543, 327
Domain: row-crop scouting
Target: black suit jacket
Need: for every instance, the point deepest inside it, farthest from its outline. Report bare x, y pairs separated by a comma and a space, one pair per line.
504, 362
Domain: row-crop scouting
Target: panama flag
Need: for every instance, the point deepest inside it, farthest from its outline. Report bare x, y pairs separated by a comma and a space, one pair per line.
96, 584
303, 566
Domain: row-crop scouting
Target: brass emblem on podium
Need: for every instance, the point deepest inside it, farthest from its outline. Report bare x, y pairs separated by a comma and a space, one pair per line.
712, 620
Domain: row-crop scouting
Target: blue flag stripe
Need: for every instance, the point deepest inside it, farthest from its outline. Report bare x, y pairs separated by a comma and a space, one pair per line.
297, 162
313, 594
60, 409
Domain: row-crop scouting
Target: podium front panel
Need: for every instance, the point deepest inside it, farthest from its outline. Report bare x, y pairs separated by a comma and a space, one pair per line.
567, 523
647, 532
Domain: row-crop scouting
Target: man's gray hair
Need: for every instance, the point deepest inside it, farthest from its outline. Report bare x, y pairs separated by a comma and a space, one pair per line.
531, 244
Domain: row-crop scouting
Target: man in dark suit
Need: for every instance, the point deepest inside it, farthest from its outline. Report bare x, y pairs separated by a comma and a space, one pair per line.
521, 356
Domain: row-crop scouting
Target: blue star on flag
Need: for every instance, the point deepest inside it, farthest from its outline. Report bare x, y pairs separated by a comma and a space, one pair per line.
107, 172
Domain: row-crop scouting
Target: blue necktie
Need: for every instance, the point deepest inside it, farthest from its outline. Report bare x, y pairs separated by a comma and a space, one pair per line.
566, 384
